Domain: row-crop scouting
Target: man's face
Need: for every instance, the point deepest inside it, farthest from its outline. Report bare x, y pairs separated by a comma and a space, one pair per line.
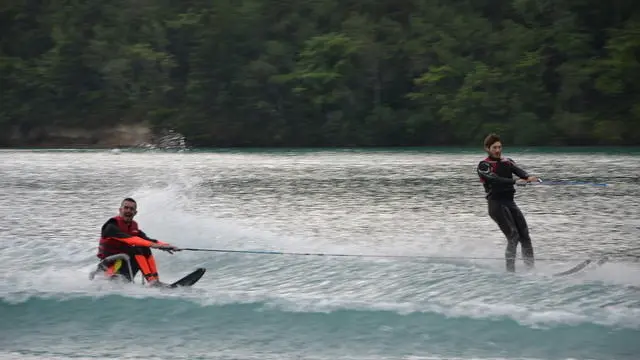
495, 150
128, 210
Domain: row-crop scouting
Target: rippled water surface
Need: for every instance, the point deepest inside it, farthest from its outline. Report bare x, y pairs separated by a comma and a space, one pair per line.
443, 294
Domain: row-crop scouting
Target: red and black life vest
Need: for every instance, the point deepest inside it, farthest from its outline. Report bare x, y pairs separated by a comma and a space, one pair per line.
500, 167
110, 246
503, 168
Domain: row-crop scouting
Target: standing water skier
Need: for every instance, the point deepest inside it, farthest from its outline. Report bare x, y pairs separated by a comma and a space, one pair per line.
496, 174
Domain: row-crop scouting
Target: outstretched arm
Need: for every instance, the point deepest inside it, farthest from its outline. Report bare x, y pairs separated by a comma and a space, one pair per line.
485, 173
521, 173
144, 236
111, 230
518, 170
157, 242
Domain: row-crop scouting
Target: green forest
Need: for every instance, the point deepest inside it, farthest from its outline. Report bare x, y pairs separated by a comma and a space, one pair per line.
326, 72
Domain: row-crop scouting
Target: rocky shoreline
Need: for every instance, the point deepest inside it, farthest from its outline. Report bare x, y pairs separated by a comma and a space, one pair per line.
118, 136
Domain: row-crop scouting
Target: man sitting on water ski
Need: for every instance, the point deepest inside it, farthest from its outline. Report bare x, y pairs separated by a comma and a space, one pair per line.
496, 174
121, 235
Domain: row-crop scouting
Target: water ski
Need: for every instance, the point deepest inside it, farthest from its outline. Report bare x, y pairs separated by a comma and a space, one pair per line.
189, 279
581, 266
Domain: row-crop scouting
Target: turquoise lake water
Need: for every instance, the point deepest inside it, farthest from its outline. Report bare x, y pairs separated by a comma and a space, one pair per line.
445, 294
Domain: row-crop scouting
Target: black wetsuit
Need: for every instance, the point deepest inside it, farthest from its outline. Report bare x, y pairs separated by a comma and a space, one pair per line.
498, 181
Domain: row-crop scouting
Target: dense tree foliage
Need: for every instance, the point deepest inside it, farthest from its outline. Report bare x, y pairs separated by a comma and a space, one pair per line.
327, 72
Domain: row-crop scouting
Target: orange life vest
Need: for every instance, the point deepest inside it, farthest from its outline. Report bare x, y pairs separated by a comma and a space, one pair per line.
110, 246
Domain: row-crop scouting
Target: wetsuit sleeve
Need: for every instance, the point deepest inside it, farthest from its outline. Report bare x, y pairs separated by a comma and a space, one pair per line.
485, 173
518, 170
111, 230
143, 235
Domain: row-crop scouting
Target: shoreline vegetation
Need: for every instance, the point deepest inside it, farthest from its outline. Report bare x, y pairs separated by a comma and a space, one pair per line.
120, 136
325, 73
141, 137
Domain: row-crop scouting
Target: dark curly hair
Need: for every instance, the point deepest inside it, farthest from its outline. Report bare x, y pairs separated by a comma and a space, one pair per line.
491, 139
